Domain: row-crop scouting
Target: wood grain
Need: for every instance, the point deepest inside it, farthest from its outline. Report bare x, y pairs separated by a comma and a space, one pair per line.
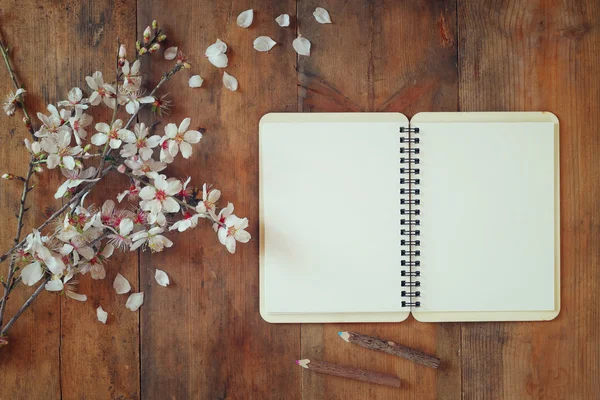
403, 59
541, 55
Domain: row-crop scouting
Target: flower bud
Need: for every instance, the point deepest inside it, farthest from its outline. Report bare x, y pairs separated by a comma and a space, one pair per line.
87, 148
121, 168
38, 169
154, 47
142, 51
147, 34
138, 45
162, 37
78, 164
154, 24
8, 177
187, 65
27, 122
122, 51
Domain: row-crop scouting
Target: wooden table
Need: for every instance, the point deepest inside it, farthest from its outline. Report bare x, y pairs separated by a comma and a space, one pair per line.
203, 337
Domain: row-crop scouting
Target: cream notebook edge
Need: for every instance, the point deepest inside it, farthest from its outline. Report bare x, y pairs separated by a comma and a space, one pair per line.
442, 117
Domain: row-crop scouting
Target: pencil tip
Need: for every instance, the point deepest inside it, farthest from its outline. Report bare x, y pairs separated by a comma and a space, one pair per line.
340, 333
298, 362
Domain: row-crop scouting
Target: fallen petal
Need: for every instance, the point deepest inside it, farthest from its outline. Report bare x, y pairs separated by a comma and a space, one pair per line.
302, 46
161, 278
121, 284
218, 47
195, 81
283, 20
244, 20
101, 314
134, 301
230, 82
322, 16
219, 60
264, 43
171, 53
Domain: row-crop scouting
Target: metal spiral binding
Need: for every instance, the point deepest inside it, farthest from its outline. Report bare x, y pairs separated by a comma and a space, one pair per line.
410, 220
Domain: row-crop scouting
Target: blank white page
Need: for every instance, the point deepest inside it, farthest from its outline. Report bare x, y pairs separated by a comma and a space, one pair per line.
331, 216
487, 216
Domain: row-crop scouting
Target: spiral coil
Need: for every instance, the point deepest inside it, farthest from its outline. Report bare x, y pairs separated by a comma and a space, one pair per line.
410, 221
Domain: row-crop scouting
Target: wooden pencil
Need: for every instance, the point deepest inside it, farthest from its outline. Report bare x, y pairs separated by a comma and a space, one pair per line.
328, 368
390, 347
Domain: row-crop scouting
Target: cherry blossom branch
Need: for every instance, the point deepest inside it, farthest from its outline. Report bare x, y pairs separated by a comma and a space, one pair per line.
25, 306
22, 211
13, 77
73, 200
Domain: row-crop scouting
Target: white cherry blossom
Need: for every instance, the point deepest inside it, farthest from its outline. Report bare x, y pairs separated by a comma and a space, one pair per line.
181, 139
233, 231
140, 143
113, 134
159, 197
101, 91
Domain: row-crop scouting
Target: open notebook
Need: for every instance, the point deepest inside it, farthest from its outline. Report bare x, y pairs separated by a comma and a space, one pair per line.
369, 217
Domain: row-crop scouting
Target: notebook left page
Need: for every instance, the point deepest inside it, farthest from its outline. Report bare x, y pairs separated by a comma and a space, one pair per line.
330, 217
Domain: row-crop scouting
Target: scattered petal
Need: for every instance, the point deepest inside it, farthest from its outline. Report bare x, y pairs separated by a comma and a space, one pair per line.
219, 61
161, 278
322, 16
264, 43
283, 20
302, 46
101, 314
171, 53
195, 81
134, 301
230, 82
244, 20
121, 284
218, 47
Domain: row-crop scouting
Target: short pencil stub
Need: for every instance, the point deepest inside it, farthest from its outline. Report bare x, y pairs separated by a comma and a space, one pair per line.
345, 336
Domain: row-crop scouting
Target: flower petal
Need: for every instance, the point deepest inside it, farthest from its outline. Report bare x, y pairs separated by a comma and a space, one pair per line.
99, 139
161, 278
134, 301
219, 47
195, 81
32, 273
219, 60
283, 20
301, 45
101, 314
322, 16
170, 205
54, 285
264, 43
147, 193
171, 53
230, 82
121, 284
192, 137
186, 149
244, 20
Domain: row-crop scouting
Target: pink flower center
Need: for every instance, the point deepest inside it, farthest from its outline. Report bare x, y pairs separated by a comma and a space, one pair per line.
165, 145
113, 134
161, 195
187, 215
141, 143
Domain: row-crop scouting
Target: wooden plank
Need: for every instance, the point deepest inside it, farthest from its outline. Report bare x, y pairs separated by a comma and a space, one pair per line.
542, 55
203, 337
78, 39
396, 56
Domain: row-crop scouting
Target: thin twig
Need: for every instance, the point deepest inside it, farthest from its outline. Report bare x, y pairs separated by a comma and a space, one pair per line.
13, 77
25, 306
22, 210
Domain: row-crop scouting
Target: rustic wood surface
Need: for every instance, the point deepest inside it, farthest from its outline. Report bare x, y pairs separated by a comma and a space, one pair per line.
203, 337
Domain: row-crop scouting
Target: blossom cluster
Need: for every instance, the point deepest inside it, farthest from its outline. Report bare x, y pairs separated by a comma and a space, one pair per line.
152, 205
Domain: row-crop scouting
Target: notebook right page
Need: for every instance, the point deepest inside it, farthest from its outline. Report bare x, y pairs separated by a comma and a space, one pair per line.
489, 229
